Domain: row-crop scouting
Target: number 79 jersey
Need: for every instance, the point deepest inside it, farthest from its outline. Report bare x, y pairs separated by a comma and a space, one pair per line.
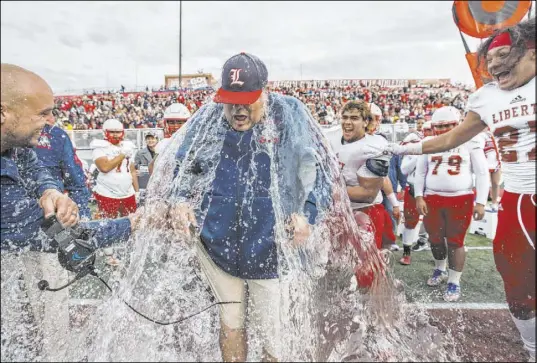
510, 115
450, 173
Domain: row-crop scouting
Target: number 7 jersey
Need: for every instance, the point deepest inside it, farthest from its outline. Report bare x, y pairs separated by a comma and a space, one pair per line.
510, 115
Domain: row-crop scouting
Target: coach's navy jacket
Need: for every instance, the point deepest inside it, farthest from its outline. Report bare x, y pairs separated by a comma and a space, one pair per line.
23, 179
238, 228
56, 152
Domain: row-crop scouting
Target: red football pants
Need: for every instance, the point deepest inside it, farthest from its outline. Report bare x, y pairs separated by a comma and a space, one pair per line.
115, 207
448, 217
378, 215
412, 217
514, 249
388, 228
365, 274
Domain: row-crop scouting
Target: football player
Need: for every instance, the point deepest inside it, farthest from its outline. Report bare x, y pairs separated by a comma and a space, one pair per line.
363, 175
116, 186
410, 212
175, 116
443, 188
507, 106
388, 235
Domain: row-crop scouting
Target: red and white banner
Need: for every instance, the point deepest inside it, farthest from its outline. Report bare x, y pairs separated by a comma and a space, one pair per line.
338, 83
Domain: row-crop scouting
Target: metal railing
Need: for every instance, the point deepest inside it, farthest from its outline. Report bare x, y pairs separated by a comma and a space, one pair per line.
82, 138
396, 132
393, 132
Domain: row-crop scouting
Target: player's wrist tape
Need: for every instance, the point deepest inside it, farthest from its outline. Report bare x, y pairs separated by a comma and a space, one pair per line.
393, 200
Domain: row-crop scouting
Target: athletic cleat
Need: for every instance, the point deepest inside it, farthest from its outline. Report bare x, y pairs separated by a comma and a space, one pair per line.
438, 277
394, 247
453, 292
405, 260
420, 246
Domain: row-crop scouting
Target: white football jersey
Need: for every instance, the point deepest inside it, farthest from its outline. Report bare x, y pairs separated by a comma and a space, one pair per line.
510, 115
450, 173
411, 160
117, 183
353, 156
491, 151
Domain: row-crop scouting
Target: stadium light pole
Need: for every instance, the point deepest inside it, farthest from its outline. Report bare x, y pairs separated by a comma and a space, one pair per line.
180, 43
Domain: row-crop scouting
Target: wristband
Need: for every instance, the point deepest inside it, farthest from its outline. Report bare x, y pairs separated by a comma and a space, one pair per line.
393, 200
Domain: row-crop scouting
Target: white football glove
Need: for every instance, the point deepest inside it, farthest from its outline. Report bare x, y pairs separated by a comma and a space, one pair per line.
408, 149
127, 151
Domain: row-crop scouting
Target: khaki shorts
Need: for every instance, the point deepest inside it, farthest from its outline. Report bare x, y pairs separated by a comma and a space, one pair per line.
264, 298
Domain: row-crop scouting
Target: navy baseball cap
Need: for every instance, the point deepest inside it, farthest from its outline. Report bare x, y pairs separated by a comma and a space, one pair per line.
243, 78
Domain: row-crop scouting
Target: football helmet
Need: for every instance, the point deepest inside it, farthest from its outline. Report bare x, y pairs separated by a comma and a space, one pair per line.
445, 119
175, 116
113, 125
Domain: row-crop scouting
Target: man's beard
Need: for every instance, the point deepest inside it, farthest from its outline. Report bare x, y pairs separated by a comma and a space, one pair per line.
10, 140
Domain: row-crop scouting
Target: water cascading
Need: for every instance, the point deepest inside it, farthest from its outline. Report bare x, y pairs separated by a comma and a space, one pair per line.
322, 317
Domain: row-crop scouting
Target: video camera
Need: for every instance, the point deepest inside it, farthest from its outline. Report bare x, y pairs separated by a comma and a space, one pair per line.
75, 251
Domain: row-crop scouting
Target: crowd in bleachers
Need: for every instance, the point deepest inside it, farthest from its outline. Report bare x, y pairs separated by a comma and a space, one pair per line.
145, 109
133, 109
398, 104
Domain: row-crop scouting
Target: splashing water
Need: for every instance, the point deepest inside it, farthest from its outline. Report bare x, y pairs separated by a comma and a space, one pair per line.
321, 316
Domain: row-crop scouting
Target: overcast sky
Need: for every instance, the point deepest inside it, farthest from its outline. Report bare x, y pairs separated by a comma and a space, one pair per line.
76, 45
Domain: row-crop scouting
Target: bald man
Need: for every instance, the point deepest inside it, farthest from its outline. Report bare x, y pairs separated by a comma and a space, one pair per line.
34, 324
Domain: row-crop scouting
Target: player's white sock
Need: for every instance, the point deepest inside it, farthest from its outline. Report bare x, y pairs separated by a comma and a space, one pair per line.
409, 236
527, 334
454, 277
440, 264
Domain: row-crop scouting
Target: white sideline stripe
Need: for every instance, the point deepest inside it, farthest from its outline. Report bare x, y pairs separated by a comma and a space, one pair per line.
463, 306
469, 248
92, 302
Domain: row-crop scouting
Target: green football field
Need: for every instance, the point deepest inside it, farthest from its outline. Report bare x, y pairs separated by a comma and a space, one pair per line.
480, 282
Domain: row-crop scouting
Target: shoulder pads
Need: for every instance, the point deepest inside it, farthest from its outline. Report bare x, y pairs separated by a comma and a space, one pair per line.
378, 167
